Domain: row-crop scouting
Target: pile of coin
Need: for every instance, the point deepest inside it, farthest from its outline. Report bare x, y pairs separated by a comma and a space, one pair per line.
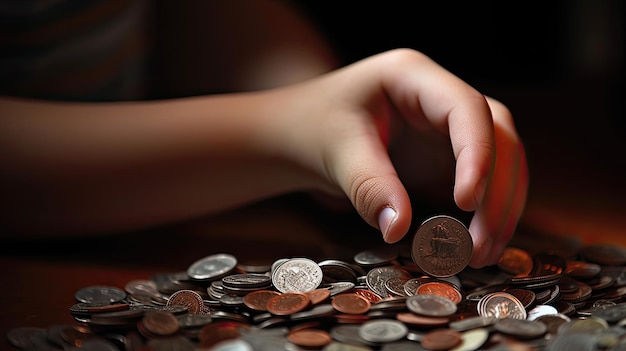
389, 298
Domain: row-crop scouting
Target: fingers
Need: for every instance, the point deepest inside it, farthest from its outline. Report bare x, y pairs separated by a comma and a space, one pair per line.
424, 92
495, 220
372, 184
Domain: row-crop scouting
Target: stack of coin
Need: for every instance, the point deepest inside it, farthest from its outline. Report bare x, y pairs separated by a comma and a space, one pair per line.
381, 299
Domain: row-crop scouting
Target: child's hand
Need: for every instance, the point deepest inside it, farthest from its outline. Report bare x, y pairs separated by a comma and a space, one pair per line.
342, 124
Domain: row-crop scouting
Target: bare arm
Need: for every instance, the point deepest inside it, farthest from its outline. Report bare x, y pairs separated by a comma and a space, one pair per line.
87, 168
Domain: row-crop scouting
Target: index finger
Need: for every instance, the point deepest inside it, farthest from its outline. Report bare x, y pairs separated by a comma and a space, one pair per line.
424, 92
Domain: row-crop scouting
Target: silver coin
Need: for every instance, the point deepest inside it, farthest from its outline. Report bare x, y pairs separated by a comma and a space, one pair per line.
431, 305
212, 267
377, 277
376, 257
349, 334
411, 285
501, 305
383, 330
472, 323
297, 275
247, 280
395, 285
521, 328
100, 294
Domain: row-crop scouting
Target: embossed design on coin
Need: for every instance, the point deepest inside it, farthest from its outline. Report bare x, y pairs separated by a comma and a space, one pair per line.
501, 305
442, 246
297, 275
188, 298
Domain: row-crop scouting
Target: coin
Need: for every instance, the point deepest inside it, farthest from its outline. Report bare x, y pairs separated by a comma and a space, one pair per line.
501, 305
318, 295
521, 328
188, 298
442, 246
515, 261
310, 337
297, 275
287, 303
441, 339
212, 267
440, 288
383, 330
377, 277
100, 294
431, 305
160, 323
257, 300
350, 303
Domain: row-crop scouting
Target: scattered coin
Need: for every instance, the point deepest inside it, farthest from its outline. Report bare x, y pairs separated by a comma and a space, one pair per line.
383, 330
431, 305
287, 303
297, 275
190, 299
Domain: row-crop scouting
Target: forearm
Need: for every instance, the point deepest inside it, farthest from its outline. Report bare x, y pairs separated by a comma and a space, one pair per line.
87, 168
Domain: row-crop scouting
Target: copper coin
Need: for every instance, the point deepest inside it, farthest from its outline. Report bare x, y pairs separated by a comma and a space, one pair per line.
350, 303
441, 339
371, 296
257, 300
516, 261
423, 321
287, 303
442, 246
318, 295
188, 298
441, 288
309, 337
160, 323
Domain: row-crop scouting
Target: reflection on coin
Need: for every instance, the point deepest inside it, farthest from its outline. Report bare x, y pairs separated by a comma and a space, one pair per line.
473, 323
100, 294
442, 246
212, 267
501, 305
297, 275
383, 330
431, 305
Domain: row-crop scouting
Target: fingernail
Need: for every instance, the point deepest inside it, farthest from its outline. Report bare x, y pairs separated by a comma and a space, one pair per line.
479, 191
385, 218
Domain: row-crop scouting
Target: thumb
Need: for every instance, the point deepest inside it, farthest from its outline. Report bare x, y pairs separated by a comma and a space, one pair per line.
368, 177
